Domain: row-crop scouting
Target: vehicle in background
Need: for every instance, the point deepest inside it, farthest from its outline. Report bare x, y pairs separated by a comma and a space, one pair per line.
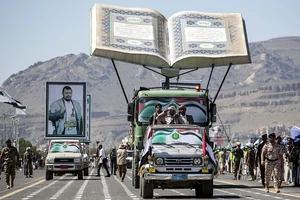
65, 156
129, 158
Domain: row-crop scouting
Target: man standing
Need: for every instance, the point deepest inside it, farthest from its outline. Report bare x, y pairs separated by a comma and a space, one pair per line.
152, 119
65, 114
10, 156
102, 160
187, 119
238, 155
169, 116
250, 161
28, 163
121, 161
272, 159
113, 161
258, 158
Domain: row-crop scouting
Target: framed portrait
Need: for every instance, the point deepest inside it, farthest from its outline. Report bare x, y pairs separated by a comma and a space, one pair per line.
65, 110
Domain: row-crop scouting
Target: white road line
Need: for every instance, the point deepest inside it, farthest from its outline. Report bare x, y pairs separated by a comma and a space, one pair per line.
105, 188
82, 188
62, 189
40, 190
129, 177
129, 193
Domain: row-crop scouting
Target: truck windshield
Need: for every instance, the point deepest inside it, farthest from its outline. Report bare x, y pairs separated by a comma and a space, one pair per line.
195, 106
174, 136
60, 147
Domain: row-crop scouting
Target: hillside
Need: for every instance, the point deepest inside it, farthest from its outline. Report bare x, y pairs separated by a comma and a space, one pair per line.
256, 96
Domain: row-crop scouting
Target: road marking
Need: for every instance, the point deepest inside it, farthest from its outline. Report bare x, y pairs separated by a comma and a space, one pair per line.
20, 190
129, 177
40, 190
105, 189
62, 189
285, 194
129, 193
82, 188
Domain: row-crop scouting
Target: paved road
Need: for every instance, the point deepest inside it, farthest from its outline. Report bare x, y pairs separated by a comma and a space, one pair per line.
110, 188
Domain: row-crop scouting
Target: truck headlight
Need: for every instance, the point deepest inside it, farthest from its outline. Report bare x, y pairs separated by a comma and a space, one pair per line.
197, 161
77, 160
159, 161
49, 160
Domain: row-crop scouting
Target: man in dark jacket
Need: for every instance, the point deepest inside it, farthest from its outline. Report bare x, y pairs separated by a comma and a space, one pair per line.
258, 158
152, 119
113, 162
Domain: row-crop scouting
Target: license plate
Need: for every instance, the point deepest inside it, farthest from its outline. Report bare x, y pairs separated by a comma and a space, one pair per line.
179, 177
64, 166
152, 170
204, 170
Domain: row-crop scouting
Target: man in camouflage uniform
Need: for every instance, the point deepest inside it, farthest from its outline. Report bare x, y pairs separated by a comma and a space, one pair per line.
250, 161
28, 163
272, 159
238, 155
264, 138
281, 176
10, 156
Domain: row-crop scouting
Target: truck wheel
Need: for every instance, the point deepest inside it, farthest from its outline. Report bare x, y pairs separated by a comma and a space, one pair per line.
207, 189
198, 190
146, 188
132, 175
48, 175
80, 175
86, 171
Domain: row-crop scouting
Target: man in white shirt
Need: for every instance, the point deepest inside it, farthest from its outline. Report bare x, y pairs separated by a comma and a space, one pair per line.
101, 156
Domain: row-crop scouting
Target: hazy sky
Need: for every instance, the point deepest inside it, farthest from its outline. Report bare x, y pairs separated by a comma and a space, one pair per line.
39, 30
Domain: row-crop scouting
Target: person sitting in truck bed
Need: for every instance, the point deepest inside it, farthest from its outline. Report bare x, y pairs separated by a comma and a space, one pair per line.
169, 116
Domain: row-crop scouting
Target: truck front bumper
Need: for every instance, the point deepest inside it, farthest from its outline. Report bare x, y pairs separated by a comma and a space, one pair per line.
189, 177
64, 167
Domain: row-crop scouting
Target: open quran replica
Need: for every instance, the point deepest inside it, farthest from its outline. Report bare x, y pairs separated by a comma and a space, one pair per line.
186, 40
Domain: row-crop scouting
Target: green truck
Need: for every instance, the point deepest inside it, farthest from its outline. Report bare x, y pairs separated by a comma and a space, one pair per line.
171, 174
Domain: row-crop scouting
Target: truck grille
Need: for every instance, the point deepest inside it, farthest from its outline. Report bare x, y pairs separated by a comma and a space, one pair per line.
178, 161
64, 160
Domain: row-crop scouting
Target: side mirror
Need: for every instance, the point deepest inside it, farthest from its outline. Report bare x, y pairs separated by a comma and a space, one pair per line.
130, 111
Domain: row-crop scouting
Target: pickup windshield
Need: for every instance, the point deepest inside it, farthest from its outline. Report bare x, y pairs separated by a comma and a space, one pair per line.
63, 147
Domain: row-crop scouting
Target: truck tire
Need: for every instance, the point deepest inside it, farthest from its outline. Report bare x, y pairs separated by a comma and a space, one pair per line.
49, 175
132, 173
146, 188
80, 174
86, 171
207, 189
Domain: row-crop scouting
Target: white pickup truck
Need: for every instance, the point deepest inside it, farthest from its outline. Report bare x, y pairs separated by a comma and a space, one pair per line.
66, 156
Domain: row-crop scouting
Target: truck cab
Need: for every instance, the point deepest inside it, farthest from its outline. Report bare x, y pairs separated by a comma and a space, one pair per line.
65, 156
172, 157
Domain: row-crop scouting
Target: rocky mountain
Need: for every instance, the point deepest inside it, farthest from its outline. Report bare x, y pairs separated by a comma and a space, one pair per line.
254, 97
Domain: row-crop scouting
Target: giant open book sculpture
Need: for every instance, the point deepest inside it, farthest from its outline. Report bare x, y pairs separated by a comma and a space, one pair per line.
186, 40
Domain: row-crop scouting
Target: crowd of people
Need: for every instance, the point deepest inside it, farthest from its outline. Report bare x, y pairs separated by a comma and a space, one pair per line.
271, 159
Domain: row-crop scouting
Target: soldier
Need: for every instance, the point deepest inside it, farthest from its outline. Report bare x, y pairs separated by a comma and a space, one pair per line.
113, 162
238, 155
281, 177
250, 161
28, 163
264, 138
10, 156
272, 159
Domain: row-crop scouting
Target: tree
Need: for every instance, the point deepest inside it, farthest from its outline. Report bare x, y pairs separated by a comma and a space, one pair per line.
23, 144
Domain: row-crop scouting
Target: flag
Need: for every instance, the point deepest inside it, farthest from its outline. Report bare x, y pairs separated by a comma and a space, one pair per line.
20, 111
147, 149
295, 134
6, 98
204, 143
